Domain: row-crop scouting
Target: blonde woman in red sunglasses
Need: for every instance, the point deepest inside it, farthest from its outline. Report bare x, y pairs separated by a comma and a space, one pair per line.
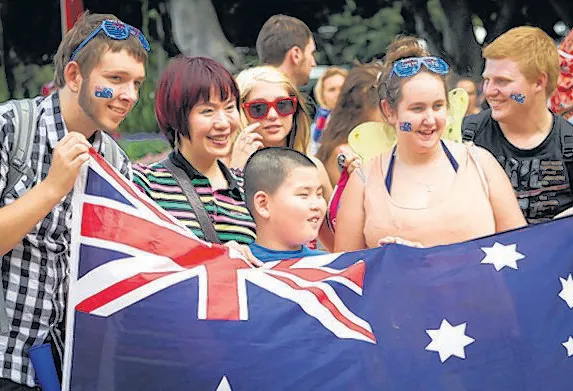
269, 99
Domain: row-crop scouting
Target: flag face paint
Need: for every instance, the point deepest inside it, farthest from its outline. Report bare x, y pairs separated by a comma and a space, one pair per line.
519, 98
103, 92
405, 126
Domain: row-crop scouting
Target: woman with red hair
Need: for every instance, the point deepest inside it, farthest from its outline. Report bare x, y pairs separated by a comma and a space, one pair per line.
196, 106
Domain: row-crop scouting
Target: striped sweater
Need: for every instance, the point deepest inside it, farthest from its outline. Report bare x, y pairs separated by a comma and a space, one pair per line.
225, 207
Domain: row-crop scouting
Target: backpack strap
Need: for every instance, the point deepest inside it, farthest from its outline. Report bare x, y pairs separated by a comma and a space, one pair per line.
566, 134
472, 124
24, 121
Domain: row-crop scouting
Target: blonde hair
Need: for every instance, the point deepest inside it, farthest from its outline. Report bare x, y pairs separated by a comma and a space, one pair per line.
249, 78
331, 71
532, 49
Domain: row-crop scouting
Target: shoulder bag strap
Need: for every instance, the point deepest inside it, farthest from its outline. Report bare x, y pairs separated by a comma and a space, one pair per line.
194, 201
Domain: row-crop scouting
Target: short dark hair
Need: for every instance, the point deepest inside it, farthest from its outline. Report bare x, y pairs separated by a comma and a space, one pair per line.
185, 82
267, 169
278, 35
89, 56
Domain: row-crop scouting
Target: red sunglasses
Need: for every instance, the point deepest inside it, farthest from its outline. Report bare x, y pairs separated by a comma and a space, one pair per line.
258, 109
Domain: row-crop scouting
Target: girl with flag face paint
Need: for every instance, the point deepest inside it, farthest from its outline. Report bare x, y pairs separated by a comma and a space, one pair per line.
425, 191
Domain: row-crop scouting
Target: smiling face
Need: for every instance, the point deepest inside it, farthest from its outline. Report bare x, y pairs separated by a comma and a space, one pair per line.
502, 79
122, 73
420, 117
297, 207
212, 125
274, 128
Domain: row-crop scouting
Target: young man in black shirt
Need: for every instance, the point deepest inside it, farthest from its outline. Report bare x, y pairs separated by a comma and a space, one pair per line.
534, 146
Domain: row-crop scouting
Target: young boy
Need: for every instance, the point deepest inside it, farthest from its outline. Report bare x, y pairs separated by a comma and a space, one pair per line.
284, 195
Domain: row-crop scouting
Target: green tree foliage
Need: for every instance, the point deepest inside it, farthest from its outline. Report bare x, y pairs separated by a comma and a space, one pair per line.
361, 38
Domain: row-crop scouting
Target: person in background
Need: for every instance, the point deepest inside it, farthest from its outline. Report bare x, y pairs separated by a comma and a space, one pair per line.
561, 100
425, 191
286, 43
284, 195
471, 88
326, 93
358, 103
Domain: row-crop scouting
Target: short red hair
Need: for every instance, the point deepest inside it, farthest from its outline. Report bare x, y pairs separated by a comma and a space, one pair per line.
185, 82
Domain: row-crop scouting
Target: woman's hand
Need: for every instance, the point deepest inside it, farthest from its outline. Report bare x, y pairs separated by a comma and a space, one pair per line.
398, 240
348, 160
247, 143
245, 251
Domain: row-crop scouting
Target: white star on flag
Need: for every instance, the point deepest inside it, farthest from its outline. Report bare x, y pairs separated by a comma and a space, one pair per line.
567, 291
449, 340
501, 256
224, 385
569, 346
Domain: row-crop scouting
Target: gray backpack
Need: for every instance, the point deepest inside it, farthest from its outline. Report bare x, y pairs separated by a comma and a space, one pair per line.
25, 122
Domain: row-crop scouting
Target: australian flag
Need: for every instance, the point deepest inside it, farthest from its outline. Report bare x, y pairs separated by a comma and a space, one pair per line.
151, 307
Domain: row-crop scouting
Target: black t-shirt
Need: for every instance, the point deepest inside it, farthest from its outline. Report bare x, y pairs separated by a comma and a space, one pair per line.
539, 176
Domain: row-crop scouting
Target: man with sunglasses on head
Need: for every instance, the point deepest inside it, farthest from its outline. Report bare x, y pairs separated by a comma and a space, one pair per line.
99, 67
534, 146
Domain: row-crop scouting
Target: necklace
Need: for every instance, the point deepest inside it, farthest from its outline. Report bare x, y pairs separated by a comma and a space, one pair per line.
430, 187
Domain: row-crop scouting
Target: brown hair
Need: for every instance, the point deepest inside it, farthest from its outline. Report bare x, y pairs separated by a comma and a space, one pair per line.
358, 96
278, 35
331, 71
390, 88
89, 56
249, 78
532, 49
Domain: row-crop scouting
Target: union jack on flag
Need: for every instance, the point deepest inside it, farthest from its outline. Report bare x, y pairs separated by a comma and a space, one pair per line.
151, 307
130, 249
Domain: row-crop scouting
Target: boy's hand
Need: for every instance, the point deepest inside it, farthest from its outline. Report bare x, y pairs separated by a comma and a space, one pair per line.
247, 143
398, 240
67, 158
245, 251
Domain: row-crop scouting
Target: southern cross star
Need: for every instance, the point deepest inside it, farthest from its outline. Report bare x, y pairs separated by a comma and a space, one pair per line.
567, 291
569, 346
449, 340
501, 256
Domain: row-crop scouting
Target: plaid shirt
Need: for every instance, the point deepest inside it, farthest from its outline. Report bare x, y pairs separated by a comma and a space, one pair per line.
35, 272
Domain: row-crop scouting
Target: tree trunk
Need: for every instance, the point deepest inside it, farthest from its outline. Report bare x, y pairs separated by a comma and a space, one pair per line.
459, 39
197, 32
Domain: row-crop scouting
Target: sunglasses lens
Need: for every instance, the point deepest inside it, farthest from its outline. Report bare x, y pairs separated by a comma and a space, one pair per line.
115, 29
285, 106
407, 67
436, 65
258, 110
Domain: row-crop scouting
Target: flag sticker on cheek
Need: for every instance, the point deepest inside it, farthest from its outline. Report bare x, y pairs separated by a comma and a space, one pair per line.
519, 98
405, 126
103, 92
